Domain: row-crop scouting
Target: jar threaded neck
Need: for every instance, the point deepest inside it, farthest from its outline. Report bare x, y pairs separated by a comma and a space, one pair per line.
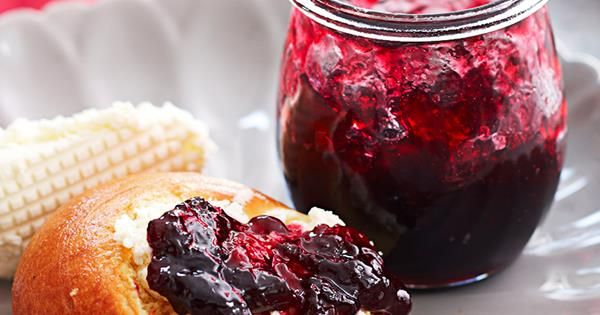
401, 27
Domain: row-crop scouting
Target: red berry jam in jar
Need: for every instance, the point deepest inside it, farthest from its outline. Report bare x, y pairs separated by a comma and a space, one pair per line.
436, 127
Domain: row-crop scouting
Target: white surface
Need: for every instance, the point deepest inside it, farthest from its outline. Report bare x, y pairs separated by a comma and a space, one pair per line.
219, 59
577, 24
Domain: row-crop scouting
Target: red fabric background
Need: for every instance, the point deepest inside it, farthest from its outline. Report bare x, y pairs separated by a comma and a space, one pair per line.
6, 5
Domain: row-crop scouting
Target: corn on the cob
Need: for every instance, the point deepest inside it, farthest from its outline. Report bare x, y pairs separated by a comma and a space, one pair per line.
45, 163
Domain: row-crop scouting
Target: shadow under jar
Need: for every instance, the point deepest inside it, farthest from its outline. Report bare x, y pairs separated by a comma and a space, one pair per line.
437, 127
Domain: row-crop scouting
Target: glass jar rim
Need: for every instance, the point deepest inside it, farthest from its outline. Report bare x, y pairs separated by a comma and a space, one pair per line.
403, 27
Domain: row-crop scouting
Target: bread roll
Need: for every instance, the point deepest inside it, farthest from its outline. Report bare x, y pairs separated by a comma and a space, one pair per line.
82, 261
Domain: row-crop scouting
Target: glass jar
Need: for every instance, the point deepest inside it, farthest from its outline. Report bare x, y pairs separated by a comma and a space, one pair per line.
441, 136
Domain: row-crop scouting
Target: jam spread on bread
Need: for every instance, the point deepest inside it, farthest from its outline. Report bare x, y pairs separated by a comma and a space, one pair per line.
205, 262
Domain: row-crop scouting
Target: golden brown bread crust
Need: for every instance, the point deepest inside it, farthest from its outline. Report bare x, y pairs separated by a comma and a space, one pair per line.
73, 265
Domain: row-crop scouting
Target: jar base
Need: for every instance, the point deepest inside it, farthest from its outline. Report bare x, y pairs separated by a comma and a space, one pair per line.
455, 284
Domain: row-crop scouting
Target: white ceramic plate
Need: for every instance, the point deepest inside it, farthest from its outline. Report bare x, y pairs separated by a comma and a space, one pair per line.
219, 59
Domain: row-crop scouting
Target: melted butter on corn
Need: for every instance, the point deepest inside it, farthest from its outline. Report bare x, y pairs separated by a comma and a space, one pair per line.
45, 163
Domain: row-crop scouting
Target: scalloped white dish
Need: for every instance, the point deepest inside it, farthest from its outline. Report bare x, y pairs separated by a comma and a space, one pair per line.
219, 59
